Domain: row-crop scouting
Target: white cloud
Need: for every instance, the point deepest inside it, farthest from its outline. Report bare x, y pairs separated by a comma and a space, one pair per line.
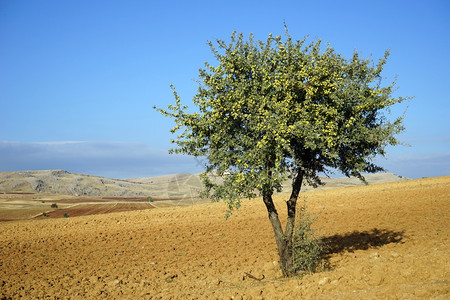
110, 159
122, 160
418, 165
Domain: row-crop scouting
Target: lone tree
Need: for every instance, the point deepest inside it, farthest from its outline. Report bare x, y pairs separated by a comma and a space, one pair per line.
283, 109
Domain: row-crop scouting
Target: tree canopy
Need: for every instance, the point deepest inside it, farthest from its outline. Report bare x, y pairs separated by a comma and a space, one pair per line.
280, 108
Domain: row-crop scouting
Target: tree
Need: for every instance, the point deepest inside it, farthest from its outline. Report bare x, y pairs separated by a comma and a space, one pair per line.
283, 109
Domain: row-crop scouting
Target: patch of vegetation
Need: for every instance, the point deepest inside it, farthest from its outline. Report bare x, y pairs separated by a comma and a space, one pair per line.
65, 215
308, 248
44, 214
54, 205
149, 199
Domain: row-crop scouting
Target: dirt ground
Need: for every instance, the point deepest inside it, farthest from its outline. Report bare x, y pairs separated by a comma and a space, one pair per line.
26, 206
387, 241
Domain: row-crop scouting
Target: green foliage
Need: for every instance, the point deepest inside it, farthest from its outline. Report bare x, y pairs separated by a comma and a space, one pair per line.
149, 199
65, 215
308, 249
270, 108
44, 214
54, 205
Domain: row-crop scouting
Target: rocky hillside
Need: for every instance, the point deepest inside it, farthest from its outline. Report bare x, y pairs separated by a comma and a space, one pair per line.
177, 186
63, 182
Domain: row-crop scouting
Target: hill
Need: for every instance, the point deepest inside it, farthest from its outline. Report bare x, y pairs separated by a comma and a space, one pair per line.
178, 186
66, 183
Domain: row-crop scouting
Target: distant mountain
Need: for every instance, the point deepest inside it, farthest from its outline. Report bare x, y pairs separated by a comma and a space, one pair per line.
63, 182
178, 186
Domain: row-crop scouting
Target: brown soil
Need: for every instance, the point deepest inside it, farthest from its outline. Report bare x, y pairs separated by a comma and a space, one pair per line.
14, 206
387, 241
95, 209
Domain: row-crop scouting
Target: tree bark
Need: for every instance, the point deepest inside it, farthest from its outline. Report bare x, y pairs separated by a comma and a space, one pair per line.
284, 239
278, 231
292, 204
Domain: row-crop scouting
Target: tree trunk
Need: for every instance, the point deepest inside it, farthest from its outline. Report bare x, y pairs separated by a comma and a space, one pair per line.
284, 239
291, 206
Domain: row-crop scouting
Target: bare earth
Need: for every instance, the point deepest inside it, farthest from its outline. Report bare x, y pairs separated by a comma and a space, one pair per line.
387, 241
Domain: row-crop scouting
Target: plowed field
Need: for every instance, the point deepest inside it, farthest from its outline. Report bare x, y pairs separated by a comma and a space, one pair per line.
387, 241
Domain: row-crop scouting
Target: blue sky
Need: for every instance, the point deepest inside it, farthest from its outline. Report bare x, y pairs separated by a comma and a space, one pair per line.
78, 79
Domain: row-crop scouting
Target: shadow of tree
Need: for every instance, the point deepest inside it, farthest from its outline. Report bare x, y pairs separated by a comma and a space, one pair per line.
361, 240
